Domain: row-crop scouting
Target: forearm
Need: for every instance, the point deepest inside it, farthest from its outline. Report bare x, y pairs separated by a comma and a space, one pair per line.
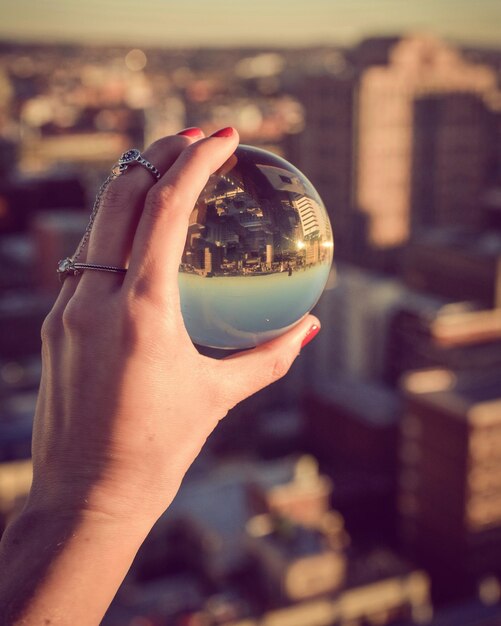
63, 568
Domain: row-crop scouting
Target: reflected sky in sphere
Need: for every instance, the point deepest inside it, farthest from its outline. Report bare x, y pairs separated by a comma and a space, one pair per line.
258, 252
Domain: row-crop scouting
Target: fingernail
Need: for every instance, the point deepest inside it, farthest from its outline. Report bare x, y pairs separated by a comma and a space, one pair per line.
223, 132
191, 132
312, 332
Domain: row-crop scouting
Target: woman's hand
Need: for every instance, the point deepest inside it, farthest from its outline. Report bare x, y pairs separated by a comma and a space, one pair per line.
126, 401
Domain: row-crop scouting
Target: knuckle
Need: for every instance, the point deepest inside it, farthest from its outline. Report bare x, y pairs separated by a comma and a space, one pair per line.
130, 306
117, 196
143, 320
51, 327
172, 141
197, 148
159, 199
199, 153
130, 322
141, 292
79, 316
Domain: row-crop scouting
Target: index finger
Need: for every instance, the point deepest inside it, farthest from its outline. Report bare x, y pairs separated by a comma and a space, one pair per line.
161, 233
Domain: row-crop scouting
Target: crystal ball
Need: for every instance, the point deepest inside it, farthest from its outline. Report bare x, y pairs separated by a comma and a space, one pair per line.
258, 252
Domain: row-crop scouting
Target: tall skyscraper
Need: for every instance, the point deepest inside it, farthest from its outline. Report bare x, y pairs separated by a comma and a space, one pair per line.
430, 332
398, 140
393, 118
450, 474
461, 264
355, 311
325, 150
452, 160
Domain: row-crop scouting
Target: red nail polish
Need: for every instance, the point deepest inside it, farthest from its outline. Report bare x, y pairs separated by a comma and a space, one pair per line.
191, 132
313, 332
223, 132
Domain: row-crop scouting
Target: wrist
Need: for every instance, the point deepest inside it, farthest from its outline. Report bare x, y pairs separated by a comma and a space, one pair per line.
65, 560
124, 493
89, 507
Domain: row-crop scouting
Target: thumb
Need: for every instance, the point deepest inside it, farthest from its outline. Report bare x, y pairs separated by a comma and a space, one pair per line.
246, 372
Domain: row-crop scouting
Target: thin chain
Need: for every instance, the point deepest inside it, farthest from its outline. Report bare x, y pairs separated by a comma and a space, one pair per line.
95, 209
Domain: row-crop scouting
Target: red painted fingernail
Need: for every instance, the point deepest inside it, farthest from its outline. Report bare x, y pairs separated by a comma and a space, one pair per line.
223, 132
191, 132
313, 332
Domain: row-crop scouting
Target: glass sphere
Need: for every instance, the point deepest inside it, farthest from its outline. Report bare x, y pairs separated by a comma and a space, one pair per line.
258, 252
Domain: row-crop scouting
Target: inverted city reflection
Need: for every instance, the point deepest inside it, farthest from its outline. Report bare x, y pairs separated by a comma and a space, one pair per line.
258, 252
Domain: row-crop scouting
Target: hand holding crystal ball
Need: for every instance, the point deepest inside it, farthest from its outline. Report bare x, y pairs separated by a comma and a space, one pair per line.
258, 252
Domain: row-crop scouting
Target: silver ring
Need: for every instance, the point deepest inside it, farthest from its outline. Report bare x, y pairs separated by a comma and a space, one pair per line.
132, 156
68, 267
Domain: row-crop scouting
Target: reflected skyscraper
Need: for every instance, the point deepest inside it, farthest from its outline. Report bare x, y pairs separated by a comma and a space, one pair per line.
260, 232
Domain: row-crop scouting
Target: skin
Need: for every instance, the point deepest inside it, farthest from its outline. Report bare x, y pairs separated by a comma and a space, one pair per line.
126, 402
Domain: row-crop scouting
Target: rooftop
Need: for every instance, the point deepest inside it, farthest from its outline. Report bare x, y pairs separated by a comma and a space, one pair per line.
475, 398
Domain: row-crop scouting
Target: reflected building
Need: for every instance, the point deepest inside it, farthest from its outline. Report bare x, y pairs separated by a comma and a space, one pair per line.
267, 219
260, 232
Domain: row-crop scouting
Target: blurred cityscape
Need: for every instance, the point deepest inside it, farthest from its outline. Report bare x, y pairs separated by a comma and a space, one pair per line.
365, 487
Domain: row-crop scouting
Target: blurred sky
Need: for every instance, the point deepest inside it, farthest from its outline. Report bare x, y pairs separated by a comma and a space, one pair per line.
246, 22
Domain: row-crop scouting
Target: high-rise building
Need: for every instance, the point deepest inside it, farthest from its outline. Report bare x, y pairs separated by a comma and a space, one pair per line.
429, 332
351, 424
351, 427
449, 498
400, 139
355, 311
269, 254
456, 263
22, 198
208, 260
325, 150
395, 113
453, 158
